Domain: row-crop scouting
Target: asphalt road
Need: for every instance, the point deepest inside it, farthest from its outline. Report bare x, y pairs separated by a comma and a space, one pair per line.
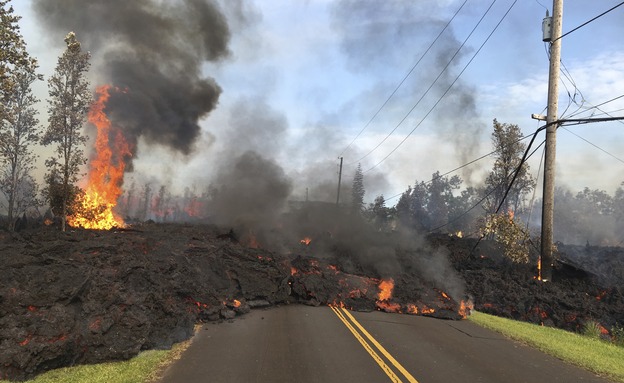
319, 344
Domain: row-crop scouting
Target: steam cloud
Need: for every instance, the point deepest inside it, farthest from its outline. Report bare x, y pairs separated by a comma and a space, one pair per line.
152, 51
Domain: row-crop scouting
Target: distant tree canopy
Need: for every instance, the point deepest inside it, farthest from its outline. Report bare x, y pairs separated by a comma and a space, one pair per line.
433, 205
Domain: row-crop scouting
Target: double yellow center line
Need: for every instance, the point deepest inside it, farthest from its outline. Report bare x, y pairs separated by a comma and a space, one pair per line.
349, 321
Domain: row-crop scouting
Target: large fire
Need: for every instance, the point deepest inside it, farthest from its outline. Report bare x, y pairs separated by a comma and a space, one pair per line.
94, 208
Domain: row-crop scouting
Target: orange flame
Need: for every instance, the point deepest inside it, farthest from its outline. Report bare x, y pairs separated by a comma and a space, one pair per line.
427, 310
389, 307
306, 241
385, 293
106, 171
465, 308
385, 289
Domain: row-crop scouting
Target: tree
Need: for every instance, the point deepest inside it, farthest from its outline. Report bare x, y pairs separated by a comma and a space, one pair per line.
69, 102
357, 191
379, 212
403, 208
12, 53
509, 151
19, 132
19, 127
441, 198
145, 205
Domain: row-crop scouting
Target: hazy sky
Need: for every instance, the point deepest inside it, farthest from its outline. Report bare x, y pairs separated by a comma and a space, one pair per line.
318, 70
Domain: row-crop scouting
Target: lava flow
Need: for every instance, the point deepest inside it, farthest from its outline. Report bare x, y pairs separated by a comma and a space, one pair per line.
94, 208
385, 293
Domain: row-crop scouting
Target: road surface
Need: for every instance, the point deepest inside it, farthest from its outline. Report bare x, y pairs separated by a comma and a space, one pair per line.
320, 344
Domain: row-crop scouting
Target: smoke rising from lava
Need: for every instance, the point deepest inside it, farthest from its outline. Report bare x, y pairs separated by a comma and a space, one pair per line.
152, 52
395, 34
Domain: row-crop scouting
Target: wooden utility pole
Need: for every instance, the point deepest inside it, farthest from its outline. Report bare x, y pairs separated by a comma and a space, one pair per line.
339, 180
546, 255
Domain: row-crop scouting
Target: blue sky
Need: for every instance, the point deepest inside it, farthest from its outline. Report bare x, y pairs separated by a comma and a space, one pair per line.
319, 69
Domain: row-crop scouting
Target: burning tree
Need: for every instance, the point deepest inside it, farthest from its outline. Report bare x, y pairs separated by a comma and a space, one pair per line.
106, 170
70, 99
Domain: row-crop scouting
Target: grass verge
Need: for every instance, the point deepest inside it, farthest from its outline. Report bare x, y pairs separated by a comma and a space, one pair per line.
594, 355
143, 368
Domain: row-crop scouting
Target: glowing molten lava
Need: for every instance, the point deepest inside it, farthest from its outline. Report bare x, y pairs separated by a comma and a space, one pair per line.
385, 293
385, 289
94, 208
306, 241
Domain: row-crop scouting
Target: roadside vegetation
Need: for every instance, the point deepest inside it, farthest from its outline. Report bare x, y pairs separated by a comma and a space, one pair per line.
146, 367
588, 351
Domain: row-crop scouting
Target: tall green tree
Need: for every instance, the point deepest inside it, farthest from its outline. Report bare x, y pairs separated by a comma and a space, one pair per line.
357, 190
69, 102
508, 155
12, 53
441, 198
19, 133
19, 127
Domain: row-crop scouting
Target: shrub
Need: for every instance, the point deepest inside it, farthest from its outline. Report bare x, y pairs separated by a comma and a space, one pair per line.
592, 329
512, 236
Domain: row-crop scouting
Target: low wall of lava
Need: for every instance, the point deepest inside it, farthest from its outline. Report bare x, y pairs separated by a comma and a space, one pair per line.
92, 296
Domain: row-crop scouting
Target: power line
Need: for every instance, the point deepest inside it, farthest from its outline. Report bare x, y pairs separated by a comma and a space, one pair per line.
594, 145
405, 78
447, 89
588, 21
430, 86
462, 166
597, 107
515, 174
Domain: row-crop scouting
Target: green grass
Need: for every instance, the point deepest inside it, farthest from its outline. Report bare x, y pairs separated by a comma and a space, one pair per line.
143, 368
592, 354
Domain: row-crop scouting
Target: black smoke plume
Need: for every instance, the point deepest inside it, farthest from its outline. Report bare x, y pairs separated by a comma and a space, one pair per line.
152, 53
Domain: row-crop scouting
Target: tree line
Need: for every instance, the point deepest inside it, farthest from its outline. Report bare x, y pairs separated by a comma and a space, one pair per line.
20, 131
442, 204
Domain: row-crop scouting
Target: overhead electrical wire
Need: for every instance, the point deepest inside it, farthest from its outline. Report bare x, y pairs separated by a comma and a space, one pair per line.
447, 89
457, 218
405, 77
525, 157
594, 145
429, 88
532, 203
589, 21
461, 167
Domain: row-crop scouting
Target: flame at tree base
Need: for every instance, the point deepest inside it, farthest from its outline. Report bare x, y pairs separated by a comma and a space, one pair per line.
94, 208
94, 212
